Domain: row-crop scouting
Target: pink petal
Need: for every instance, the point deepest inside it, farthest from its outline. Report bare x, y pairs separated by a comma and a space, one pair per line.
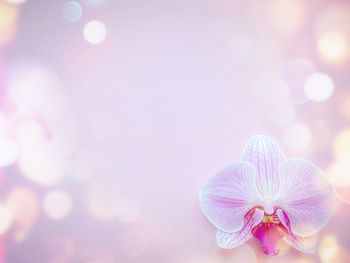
303, 244
305, 196
266, 155
229, 195
232, 240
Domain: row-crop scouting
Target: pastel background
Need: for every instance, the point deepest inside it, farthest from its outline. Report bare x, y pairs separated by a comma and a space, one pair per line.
114, 113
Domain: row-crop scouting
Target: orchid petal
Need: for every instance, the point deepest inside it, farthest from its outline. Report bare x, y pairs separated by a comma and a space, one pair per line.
265, 154
305, 196
229, 195
303, 244
232, 240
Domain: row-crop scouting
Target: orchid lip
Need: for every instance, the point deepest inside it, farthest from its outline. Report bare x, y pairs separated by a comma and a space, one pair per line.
269, 231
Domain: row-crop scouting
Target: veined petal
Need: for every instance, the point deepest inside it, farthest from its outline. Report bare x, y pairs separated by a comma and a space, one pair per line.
305, 196
266, 155
232, 240
303, 244
229, 195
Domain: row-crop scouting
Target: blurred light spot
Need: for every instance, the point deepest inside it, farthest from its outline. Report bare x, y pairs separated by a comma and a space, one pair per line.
297, 136
43, 165
94, 2
100, 202
57, 204
328, 249
341, 172
6, 218
105, 203
295, 72
95, 32
287, 16
72, 11
340, 177
16, 1
319, 87
4, 124
283, 115
341, 144
24, 206
29, 133
345, 108
8, 17
332, 23
8, 151
34, 89
333, 47
19, 235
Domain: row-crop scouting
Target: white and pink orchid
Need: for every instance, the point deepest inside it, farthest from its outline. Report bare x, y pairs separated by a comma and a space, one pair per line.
268, 197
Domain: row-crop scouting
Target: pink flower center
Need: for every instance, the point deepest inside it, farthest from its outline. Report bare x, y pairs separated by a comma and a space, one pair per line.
269, 232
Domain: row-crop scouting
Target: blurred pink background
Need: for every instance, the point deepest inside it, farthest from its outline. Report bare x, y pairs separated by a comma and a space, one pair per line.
114, 113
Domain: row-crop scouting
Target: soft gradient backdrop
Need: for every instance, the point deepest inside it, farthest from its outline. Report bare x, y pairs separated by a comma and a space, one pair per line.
113, 114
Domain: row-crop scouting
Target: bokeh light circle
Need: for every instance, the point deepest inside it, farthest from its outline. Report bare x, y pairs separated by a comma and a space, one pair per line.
8, 15
8, 151
8, 21
339, 173
23, 203
94, 2
341, 144
106, 203
57, 204
295, 71
29, 133
72, 11
328, 249
319, 87
33, 88
332, 33
286, 16
16, 1
43, 164
6, 218
333, 47
95, 32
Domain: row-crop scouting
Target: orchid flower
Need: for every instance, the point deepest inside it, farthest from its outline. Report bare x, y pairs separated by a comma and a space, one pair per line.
268, 197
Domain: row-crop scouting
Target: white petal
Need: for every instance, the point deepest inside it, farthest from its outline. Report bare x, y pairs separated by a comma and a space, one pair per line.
303, 244
266, 155
305, 196
232, 240
229, 195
